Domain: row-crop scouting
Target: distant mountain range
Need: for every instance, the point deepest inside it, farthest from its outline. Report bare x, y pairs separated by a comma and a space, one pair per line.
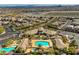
34, 6
42, 6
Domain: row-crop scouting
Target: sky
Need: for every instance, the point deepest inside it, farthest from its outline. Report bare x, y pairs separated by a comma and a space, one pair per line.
69, 2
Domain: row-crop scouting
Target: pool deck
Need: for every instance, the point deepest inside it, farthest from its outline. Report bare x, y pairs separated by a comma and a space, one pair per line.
49, 41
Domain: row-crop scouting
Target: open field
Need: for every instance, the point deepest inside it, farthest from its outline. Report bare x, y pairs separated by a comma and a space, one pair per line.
63, 13
55, 14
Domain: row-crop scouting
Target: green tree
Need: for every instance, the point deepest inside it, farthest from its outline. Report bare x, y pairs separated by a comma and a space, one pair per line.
2, 52
64, 39
56, 51
19, 50
65, 50
73, 44
71, 50
51, 51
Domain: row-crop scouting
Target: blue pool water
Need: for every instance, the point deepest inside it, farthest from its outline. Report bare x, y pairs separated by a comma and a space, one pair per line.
42, 43
8, 49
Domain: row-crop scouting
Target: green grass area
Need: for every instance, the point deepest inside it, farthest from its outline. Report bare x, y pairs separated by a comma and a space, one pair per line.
39, 36
1, 29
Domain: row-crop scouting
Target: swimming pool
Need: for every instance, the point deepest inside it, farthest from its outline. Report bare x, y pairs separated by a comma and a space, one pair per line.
7, 50
42, 43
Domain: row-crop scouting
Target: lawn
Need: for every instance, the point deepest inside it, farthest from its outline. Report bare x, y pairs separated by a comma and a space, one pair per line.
1, 29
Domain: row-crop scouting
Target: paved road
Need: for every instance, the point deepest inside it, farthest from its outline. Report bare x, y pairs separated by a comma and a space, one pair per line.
68, 22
